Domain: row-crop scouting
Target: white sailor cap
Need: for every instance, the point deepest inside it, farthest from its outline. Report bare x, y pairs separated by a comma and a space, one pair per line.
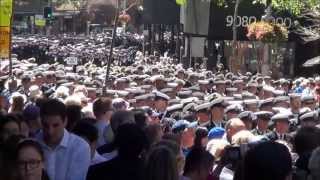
310, 116
161, 95
234, 107
204, 106
281, 117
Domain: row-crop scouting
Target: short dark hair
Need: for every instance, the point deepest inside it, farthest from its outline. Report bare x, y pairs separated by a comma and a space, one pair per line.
268, 160
140, 117
306, 139
130, 141
29, 143
74, 114
53, 107
196, 159
86, 129
101, 106
119, 118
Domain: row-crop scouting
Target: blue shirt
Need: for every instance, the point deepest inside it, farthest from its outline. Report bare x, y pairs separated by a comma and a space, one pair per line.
70, 160
105, 134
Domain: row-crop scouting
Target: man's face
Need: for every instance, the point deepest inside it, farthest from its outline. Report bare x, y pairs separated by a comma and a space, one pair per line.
282, 127
26, 83
267, 94
217, 112
252, 89
203, 117
263, 124
53, 129
295, 103
161, 105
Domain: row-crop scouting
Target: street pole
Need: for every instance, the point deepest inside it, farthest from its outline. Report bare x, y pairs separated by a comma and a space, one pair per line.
114, 33
234, 31
10, 41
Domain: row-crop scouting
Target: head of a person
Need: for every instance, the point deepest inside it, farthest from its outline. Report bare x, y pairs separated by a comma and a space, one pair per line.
160, 103
9, 126
268, 160
263, 122
186, 131
201, 137
73, 115
121, 117
175, 148
102, 108
17, 102
88, 132
53, 115
216, 147
282, 126
295, 102
29, 160
309, 103
141, 117
161, 164
217, 112
242, 137
131, 141
26, 81
202, 115
233, 126
306, 140
199, 164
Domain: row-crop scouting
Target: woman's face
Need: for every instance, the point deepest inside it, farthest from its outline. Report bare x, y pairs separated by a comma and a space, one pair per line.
30, 163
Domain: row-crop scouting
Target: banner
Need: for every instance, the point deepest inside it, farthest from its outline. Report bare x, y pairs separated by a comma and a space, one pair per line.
4, 42
5, 12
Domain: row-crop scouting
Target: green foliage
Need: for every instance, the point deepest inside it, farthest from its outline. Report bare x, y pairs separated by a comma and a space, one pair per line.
293, 6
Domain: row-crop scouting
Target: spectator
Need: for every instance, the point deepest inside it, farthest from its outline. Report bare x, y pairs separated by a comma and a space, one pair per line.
89, 133
31, 115
201, 138
8, 126
30, 161
71, 153
305, 141
199, 165
73, 116
102, 109
232, 127
268, 160
161, 164
130, 142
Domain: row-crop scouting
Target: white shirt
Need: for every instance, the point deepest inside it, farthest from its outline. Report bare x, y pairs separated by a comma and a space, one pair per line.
111, 155
97, 158
70, 160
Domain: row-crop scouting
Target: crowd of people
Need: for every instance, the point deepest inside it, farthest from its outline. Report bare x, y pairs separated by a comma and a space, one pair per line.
156, 121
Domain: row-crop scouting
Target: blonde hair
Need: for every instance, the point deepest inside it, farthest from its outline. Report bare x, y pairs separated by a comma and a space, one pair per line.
242, 137
216, 147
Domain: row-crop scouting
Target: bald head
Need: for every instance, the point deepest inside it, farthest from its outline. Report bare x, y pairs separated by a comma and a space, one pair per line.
233, 126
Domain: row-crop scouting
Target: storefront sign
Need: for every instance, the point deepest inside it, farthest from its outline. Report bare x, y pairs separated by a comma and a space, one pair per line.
222, 20
72, 61
40, 21
4, 42
5, 12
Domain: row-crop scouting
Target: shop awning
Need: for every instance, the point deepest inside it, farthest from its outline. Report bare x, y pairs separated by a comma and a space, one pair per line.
312, 62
